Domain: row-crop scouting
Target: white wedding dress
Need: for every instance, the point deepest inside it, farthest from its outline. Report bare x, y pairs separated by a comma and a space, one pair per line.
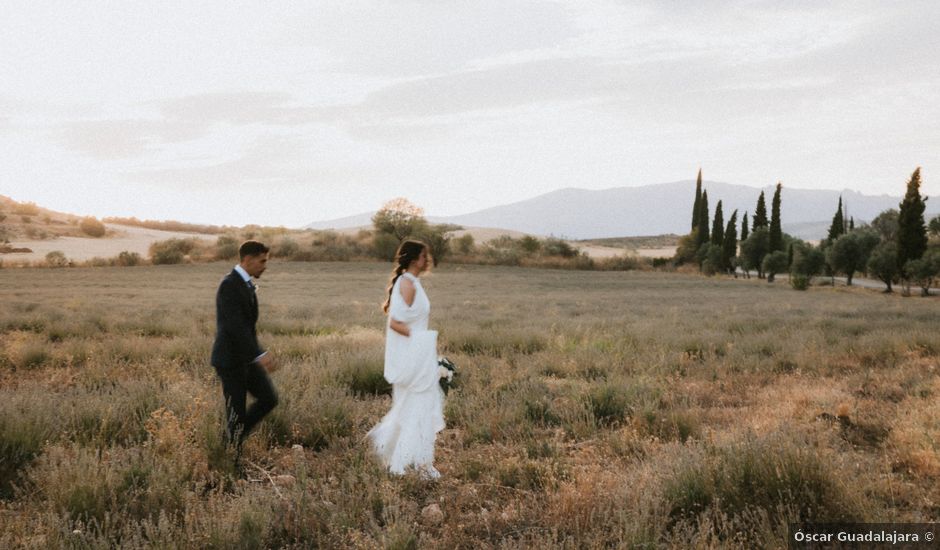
405, 436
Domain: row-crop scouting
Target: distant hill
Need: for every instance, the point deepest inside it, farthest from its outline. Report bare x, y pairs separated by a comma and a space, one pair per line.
356, 222
659, 209
348, 222
26, 220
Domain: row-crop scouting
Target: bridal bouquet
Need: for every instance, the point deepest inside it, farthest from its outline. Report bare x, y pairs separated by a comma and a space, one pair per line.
447, 370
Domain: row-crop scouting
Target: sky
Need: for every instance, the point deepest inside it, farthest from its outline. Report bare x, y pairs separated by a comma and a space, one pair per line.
284, 113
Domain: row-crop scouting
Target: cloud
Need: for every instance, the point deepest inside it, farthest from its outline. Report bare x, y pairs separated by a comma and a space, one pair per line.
270, 160
417, 38
548, 93
118, 139
229, 107
593, 52
158, 124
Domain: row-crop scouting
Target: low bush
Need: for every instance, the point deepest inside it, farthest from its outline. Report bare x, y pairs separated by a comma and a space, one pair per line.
309, 414
26, 209
56, 258
744, 482
172, 251
285, 248
497, 344
92, 227
128, 259
364, 376
799, 281
226, 247
609, 404
22, 437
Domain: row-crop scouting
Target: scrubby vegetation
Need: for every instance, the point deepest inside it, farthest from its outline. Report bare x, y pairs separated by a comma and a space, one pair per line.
92, 227
169, 225
594, 410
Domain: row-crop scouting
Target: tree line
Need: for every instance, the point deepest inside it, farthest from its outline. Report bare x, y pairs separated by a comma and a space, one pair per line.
399, 219
895, 247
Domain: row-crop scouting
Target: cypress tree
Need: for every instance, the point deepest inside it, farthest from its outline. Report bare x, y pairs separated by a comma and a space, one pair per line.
776, 233
852, 223
729, 245
703, 220
837, 228
912, 231
718, 226
744, 227
698, 200
760, 213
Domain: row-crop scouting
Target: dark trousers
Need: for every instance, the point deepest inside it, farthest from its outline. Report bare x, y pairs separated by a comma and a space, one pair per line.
237, 383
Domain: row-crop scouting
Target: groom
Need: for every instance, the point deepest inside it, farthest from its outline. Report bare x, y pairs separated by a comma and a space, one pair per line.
239, 361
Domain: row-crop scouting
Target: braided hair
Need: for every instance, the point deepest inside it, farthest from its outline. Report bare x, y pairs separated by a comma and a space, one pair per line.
408, 251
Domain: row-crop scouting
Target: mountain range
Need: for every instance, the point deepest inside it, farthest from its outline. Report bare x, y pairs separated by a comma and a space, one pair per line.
657, 209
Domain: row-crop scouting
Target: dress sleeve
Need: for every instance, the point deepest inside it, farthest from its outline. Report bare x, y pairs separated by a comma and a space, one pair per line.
399, 310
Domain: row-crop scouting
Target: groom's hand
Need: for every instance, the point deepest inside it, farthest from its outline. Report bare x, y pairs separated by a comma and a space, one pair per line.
268, 363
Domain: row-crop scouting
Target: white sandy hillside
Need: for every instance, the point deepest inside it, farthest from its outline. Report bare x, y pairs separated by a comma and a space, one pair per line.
129, 238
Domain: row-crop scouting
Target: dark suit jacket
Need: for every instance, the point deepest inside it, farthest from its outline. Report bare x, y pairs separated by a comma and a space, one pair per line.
236, 313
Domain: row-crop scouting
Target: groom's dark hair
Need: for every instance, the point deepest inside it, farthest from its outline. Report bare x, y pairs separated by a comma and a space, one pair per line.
252, 248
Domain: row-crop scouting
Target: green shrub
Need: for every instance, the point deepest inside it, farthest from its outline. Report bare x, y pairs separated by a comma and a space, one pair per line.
807, 260
558, 247
286, 248
799, 281
56, 258
311, 415
33, 356
498, 343
670, 425
612, 401
744, 480
226, 247
608, 404
774, 263
21, 439
527, 475
171, 251
622, 263
123, 485
401, 537
128, 259
110, 416
462, 245
365, 377
539, 411
924, 271
534, 400
384, 246
709, 257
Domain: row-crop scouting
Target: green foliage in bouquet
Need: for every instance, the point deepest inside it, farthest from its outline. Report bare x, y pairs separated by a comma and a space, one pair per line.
447, 380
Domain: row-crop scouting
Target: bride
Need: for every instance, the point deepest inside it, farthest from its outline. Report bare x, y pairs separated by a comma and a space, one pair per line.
405, 436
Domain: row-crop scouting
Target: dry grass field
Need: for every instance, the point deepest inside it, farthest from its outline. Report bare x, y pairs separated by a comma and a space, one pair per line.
594, 409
